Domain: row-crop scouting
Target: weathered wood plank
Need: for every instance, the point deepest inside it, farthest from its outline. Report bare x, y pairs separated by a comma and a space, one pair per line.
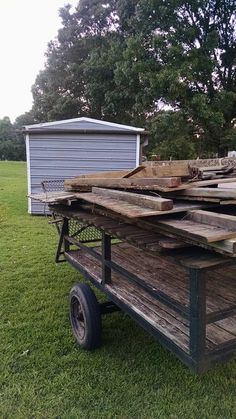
132, 211
226, 246
126, 209
209, 168
223, 193
168, 273
223, 161
196, 198
212, 218
196, 231
228, 324
157, 203
163, 171
111, 174
195, 184
154, 184
228, 202
52, 197
73, 184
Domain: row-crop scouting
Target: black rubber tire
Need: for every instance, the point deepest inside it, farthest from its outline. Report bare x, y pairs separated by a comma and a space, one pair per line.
85, 316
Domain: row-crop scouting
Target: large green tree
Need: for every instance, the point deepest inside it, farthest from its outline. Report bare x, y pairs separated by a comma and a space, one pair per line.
119, 60
90, 68
66, 87
194, 43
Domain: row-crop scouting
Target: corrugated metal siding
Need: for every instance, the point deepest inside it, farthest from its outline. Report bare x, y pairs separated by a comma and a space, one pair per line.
61, 157
84, 125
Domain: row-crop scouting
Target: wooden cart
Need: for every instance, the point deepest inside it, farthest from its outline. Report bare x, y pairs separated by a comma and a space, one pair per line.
186, 298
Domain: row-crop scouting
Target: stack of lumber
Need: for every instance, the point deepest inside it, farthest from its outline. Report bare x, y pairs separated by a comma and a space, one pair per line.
178, 200
163, 178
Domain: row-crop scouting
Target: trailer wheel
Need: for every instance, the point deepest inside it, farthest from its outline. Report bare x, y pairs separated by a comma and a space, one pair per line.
85, 316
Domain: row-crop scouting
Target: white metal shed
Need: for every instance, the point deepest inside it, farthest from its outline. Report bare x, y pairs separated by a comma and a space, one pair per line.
68, 148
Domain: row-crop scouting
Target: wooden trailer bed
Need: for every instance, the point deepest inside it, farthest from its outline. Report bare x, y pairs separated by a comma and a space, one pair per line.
186, 298
170, 278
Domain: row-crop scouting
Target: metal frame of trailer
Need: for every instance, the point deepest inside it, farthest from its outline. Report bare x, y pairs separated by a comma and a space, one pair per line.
199, 335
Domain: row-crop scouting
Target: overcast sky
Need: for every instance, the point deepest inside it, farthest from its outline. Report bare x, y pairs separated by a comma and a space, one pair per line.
26, 26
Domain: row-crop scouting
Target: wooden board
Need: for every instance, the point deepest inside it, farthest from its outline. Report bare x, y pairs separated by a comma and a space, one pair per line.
150, 184
120, 207
209, 168
157, 203
200, 183
132, 211
113, 174
163, 171
53, 197
197, 231
226, 246
211, 218
198, 198
223, 193
223, 161
75, 184
228, 202
219, 201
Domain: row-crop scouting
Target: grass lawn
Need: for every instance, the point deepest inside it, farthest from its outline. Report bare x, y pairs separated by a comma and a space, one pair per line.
45, 375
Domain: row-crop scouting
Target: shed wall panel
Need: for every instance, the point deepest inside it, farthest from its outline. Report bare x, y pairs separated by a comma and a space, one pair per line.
62, 157
90, 140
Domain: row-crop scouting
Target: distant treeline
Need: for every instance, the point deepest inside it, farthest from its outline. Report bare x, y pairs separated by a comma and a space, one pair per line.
12, 143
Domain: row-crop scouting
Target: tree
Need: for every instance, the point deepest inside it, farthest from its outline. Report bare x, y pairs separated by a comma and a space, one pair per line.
90, 70
194, 43
26, 118
11, 146
118, 59
65, 88
172, 135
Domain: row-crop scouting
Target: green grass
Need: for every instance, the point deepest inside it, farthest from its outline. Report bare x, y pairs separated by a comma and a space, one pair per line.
45, 375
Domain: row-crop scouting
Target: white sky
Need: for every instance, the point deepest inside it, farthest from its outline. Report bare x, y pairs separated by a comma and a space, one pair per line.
26, 26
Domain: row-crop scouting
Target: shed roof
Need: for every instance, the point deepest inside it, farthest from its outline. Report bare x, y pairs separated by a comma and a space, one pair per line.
83, 125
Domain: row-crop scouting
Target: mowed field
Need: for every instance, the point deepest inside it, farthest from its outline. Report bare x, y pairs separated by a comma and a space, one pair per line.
45, 375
